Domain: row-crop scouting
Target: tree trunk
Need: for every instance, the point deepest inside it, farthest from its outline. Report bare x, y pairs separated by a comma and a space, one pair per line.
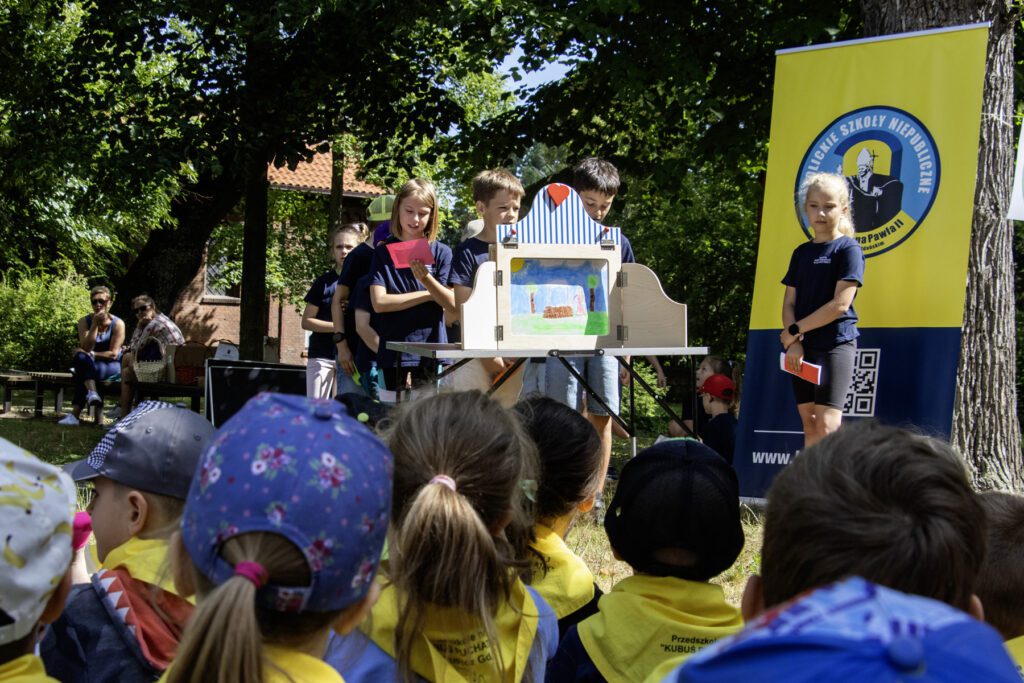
171, 256
985, 426
253, 311
337, 186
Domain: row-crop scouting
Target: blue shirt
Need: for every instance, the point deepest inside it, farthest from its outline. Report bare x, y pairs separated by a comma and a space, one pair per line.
102, 338
321, 344
814, 270
360, 300
423, 323
468, 257
627, 249
356, 265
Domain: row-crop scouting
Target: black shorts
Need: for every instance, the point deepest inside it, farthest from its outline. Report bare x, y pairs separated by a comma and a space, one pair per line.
836, 374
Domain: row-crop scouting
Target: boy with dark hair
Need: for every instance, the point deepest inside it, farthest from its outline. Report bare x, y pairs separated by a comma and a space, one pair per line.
596, 181
1001, 581
865, 513
893, 507
126, 623
675, 519
497, 195
36, 503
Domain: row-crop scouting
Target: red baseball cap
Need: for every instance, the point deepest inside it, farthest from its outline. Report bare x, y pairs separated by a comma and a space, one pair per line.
719, 386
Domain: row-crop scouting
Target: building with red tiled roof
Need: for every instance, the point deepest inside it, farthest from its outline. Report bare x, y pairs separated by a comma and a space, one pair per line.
208, 316
315, 176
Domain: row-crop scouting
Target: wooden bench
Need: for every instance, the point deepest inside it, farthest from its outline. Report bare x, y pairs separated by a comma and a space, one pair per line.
58, 381
194, 392
11, 380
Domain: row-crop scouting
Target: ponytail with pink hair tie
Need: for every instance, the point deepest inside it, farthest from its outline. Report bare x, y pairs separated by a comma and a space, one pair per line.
254, 572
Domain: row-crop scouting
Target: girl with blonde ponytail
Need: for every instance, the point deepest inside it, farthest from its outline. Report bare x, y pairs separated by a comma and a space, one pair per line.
819, 323
452, 606
280, 539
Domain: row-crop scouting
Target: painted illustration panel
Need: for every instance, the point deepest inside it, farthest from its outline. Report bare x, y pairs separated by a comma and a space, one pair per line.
559, 296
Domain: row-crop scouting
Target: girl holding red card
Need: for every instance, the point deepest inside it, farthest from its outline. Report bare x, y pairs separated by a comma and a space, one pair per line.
412, 299
818, 319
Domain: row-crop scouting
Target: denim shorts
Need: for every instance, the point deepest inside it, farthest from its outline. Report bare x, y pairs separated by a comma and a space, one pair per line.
601, 373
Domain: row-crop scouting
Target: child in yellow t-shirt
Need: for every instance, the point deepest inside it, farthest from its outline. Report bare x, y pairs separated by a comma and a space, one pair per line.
36, 503
569, 451
675, 518
1000, 583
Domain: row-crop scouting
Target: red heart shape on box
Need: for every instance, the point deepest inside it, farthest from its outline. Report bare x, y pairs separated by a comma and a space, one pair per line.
558, 192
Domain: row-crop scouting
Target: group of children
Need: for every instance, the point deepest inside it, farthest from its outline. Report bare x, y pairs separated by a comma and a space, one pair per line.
257, 553
295, 543
366, 301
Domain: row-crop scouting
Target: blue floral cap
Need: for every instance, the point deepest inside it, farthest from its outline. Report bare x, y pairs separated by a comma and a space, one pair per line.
304, 469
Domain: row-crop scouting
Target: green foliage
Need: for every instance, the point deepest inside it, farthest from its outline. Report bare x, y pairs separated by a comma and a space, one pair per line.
700, 237
39, 314
296, 246
82, 198
650, 418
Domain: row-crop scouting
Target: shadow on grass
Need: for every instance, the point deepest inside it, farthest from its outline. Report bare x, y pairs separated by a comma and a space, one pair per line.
49, 441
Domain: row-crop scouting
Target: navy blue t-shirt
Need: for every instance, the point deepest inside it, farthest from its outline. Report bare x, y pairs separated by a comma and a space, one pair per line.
468, 257
627, 249
320, 294
719, 434
814, 270
420, 324
356, 265
359, 299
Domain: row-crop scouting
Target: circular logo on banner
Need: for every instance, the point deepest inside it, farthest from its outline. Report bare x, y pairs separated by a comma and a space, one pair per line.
891, 166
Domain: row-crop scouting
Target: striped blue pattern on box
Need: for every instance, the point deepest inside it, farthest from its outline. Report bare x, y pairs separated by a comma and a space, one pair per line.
567, 223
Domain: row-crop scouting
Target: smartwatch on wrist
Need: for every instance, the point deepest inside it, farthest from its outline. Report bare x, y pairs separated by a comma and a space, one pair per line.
339, 337
794, 330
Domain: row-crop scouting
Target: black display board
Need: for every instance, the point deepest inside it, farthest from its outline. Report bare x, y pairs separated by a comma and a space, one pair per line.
230, 383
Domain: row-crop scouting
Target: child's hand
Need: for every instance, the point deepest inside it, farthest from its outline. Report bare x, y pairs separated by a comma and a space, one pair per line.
419, 271
795, 356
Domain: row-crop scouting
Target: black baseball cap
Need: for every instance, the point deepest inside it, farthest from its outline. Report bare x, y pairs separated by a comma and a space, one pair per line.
154, 448
676, 512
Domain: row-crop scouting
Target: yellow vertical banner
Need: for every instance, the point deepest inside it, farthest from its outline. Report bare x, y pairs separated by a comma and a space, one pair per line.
899, 117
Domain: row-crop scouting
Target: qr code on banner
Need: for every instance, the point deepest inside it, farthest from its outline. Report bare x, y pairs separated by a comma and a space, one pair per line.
860, 401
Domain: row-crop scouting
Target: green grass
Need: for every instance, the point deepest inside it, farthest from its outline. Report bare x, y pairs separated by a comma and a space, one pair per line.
595, 323
43, 437
48, 440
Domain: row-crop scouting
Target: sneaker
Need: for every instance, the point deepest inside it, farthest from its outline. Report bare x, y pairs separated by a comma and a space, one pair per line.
114, 413
93, 399
68, 420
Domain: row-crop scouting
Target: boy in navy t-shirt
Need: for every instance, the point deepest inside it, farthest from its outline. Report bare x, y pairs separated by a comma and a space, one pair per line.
497, 194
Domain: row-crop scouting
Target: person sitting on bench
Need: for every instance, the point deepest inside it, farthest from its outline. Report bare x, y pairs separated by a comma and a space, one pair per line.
152, 325
97, 357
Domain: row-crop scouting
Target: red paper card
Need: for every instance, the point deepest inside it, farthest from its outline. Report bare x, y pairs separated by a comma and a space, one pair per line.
404, 253
808, 371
